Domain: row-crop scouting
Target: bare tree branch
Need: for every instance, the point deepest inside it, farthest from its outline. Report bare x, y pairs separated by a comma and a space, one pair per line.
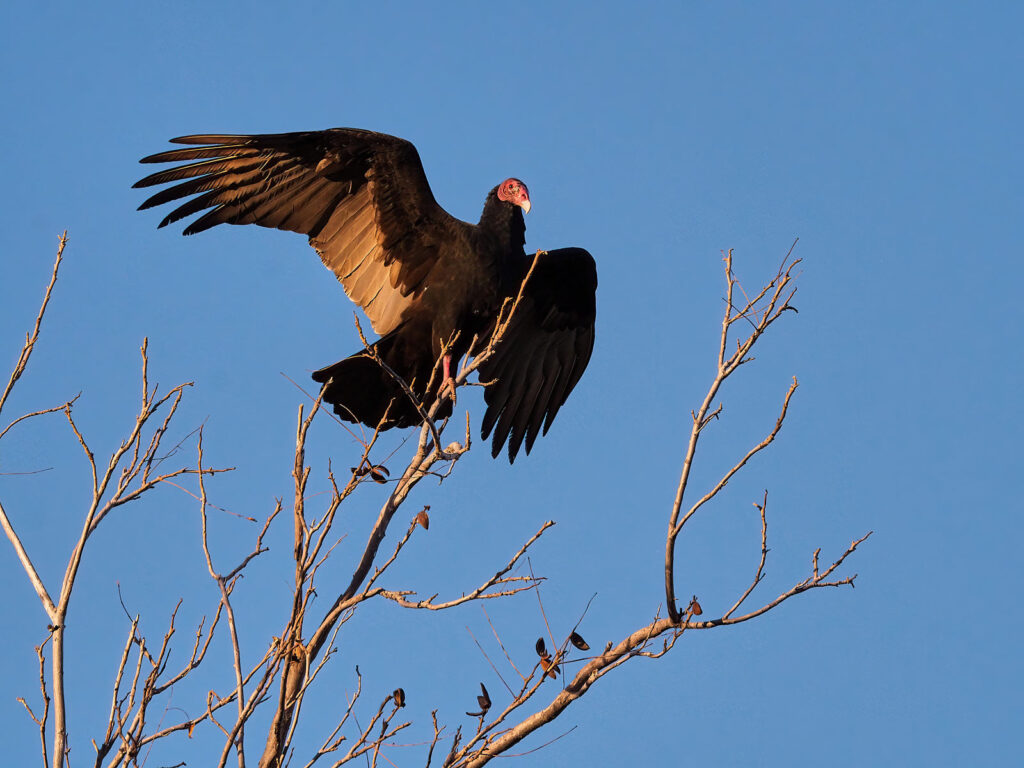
291, 663
32, 337
778, 295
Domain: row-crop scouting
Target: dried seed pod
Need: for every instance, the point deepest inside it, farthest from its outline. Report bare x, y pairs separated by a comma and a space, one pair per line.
378, 472
484, 703
694, 607
399, 697
579, 642
549, 666
541, 649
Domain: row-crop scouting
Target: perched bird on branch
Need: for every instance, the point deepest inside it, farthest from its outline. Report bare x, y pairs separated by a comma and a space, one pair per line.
429, 283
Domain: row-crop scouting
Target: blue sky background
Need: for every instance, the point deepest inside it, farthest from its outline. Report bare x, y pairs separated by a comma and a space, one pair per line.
887, 137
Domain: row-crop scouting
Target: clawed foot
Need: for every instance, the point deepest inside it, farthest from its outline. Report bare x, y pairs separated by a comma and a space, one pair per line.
447, 389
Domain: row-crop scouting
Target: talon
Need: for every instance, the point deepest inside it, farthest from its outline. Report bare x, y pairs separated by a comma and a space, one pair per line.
448, 389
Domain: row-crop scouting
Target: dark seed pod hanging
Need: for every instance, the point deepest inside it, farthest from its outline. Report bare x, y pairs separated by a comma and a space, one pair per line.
484, 703
549, 666
579, 642
695, 608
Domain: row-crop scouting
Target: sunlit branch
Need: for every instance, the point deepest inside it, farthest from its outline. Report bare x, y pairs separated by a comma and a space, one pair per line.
777, 294
33, 336
292, 662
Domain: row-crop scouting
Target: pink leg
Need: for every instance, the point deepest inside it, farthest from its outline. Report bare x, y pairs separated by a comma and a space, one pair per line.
448, 385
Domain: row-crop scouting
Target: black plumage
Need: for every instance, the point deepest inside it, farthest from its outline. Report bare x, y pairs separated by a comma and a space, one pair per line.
422, 276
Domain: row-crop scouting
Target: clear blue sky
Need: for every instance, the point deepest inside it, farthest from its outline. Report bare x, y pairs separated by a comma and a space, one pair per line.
887, 137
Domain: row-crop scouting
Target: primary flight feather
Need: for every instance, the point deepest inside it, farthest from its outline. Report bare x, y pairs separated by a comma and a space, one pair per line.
422, 276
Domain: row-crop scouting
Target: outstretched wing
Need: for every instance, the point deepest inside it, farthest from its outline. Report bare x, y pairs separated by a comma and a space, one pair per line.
543, 352
361, 197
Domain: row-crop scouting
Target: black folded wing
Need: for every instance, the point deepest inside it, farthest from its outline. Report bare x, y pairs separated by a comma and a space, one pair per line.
544, 351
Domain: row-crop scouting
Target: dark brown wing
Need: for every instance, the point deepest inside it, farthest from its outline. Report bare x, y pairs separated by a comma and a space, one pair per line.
362, 198
544, 351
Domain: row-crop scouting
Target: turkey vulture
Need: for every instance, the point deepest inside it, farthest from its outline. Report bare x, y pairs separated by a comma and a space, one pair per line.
422, 276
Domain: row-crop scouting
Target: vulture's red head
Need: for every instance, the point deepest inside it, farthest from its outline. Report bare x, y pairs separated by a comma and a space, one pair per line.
515, 192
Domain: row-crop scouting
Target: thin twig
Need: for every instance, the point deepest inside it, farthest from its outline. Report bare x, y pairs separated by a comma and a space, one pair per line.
32, 337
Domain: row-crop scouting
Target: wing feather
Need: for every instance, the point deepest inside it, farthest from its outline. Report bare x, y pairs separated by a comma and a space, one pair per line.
529, 399
213, 168
551, 366
362, 199
544, 352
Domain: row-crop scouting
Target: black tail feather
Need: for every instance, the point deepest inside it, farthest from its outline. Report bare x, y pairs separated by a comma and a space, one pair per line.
362, 391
